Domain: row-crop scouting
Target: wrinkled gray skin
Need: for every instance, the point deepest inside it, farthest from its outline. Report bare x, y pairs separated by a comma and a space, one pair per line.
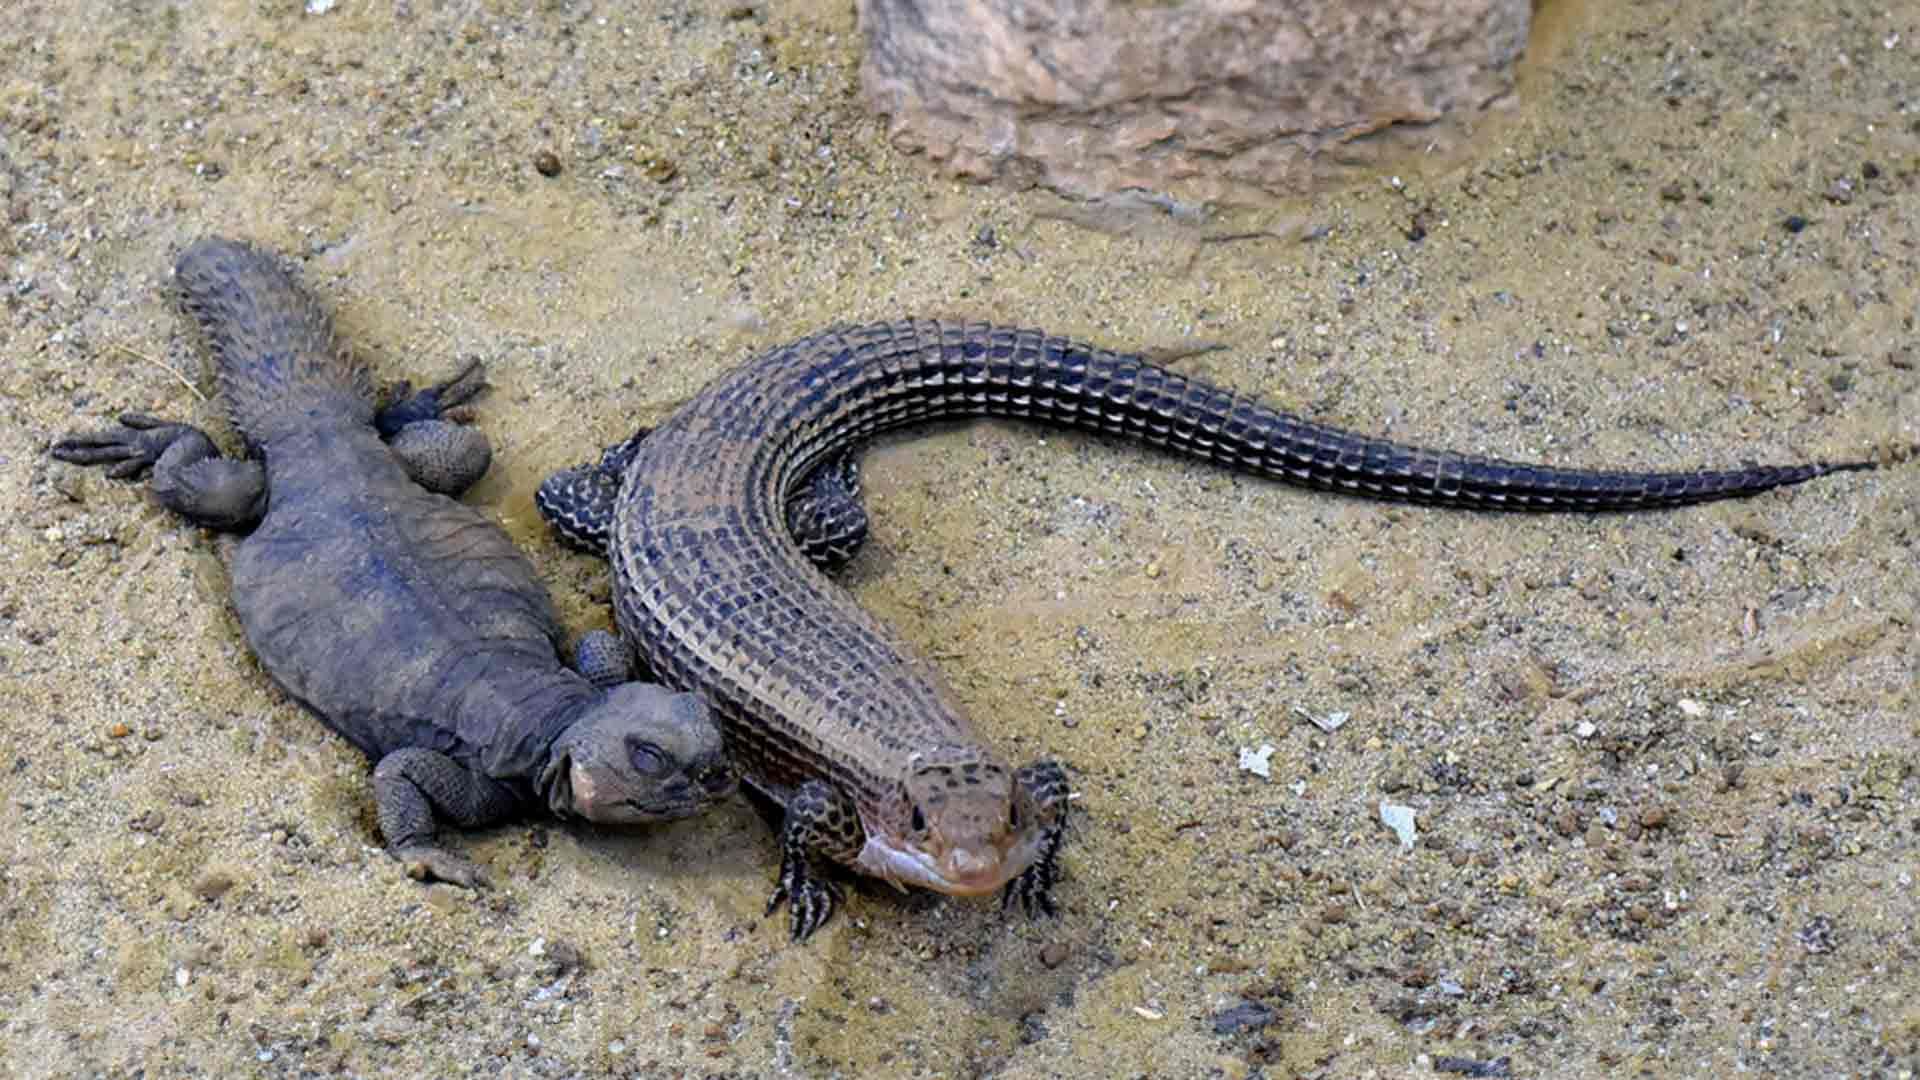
405, 620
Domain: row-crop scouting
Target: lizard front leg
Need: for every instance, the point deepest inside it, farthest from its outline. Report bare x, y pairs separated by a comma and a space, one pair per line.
821, 822
410, 785
1043, 785
604, 659
578, 503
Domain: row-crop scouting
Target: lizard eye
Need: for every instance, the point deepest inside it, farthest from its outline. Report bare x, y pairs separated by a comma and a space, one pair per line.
646, 758
919, 820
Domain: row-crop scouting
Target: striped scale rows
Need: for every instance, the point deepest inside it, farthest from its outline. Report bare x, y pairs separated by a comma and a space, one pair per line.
891, 374
719, 595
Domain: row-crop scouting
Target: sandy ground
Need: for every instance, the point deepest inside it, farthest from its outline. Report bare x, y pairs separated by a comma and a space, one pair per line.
1662, 766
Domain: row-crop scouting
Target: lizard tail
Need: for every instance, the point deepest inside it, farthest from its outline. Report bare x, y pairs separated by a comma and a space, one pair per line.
278, 365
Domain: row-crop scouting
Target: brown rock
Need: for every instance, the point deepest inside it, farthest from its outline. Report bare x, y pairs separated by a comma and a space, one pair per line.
1224, 100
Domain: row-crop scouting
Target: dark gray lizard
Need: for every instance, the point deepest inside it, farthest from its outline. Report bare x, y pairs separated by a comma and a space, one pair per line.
407, 621
710, 518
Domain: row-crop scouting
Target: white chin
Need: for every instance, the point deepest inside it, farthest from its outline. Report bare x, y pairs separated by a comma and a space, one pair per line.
582, 783
901, 867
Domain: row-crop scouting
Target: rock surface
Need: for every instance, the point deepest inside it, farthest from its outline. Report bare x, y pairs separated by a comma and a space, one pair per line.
1206, 99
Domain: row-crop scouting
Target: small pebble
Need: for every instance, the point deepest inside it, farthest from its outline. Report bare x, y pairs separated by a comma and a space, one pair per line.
546, 163
119, 730
1653, 817
1053, 954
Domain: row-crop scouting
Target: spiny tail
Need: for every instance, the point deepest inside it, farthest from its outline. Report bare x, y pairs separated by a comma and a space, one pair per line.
278, 365
919, 370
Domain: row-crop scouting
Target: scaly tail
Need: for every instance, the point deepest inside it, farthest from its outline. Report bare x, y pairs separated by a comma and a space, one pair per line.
273, 347
845, 384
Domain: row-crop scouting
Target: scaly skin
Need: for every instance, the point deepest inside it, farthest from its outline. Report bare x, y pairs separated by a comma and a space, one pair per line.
407, 621
828, 711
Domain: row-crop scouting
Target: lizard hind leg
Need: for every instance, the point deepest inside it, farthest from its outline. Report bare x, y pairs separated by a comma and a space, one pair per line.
825, 516
189, 475
821, 824
420, 427
578, 503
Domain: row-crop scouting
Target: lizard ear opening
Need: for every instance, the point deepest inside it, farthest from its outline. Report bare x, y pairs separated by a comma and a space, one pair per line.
557, 781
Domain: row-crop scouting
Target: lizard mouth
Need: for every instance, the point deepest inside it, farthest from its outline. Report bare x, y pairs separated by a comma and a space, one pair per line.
955, 872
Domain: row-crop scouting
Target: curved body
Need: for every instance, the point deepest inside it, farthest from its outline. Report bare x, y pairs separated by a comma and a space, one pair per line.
810, 687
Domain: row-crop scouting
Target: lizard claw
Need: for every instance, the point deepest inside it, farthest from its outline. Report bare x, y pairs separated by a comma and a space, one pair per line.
810, 900
424, 863
443, 400
133, 447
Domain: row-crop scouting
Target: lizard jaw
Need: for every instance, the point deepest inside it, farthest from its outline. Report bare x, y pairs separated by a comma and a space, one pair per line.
957, 873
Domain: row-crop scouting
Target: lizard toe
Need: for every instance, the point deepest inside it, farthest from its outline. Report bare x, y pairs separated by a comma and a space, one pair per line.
433, 864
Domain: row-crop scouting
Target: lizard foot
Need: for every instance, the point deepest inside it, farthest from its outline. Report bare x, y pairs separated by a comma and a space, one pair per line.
189, 475
427, 431
441, 401
810, 899
425, 863
577, 503
132, 448
1044, 783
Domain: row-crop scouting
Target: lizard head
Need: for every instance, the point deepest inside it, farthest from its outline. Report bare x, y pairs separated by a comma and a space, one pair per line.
960, 824
640, 753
